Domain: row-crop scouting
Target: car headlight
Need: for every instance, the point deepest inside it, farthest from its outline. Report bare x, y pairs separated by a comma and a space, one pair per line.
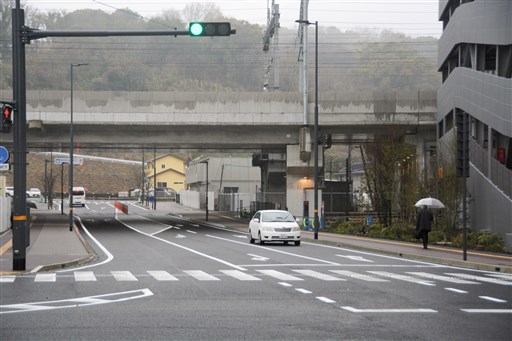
296, 229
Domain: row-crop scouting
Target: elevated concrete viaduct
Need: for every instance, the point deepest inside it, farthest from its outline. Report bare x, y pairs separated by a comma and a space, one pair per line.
271, 123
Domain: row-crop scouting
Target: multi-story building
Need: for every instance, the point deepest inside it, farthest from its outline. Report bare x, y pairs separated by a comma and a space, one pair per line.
475, 58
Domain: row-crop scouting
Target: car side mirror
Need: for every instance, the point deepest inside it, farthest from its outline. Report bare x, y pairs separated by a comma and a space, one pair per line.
256, 220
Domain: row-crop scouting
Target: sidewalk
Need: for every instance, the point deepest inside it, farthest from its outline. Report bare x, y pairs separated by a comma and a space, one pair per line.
53, 246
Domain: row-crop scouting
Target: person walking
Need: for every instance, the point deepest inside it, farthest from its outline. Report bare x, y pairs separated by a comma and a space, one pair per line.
423, 224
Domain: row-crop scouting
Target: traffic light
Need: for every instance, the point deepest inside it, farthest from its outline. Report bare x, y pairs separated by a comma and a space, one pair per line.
209, 29
462, 124
7, 110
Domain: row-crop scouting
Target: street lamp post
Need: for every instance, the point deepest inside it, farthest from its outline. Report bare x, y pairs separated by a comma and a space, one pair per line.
206, 162
71, 153
315, 131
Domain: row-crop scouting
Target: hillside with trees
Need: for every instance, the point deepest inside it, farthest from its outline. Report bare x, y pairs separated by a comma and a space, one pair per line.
348, 60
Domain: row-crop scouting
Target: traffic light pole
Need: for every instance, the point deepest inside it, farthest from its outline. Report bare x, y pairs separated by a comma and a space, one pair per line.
19, 217
22, 35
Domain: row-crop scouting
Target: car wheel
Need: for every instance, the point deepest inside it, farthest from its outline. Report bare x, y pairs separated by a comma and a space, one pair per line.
251, 239
259, 238
297, 243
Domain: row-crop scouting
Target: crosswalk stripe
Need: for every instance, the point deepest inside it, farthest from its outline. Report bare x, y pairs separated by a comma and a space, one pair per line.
50, 277
240, 275
502, 275
402, 277
162, 275
319, 275
85, 276
280, 275
481, 278
7, 279
442, 278
124, 276
201, 275
362, 277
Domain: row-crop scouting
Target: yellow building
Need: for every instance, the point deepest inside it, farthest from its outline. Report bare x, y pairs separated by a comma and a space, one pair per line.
170, 172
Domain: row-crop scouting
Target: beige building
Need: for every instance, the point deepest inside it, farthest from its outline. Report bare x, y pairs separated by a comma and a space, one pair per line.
169, 170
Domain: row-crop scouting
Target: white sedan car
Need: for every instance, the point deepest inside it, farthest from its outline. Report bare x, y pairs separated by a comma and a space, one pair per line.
274, 226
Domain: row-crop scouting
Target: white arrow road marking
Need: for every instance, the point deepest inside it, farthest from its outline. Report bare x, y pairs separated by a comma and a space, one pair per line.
179, 236
354, 310
258, 258
358, 258
190, 231
75, 302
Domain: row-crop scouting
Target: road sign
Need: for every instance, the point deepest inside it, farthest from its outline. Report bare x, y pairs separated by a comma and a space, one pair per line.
4, 167
65, 161
4, 154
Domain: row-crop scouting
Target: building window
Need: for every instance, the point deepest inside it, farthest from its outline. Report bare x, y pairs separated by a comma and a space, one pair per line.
163, 166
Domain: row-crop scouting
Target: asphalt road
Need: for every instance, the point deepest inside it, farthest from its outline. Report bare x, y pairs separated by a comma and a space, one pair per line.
162, 277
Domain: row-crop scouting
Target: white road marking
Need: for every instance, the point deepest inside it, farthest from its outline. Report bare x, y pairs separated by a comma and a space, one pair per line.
161, 275
180, 236
284, 284
481, 278
325, 299
84, 276
319, 275
190, 231
488, 311
124, 276
502, 275
362, 277
110, 257
304, 291
280, 275
274, 250
358, 258
242, 276
458, 291
442, 278
492, 299
402, 278
46, 277
258, 258
163, 230
201, 275
183, 247
7, 279
75, 302
239, 236
354, 310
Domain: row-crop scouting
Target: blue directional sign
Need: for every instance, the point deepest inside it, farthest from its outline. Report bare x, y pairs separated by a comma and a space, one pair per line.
4, 154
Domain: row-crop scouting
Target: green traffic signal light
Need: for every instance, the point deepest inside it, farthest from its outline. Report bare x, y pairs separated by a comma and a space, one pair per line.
195, 29
209, 29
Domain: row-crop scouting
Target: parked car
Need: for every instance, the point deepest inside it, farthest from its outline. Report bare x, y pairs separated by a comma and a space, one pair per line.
274, 226
164, 192
9, 191
34, 193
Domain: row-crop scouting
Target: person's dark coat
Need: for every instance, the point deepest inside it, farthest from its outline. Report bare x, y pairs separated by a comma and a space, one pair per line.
423, 222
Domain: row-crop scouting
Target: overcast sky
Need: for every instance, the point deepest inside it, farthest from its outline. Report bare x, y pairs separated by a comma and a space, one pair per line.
412, 17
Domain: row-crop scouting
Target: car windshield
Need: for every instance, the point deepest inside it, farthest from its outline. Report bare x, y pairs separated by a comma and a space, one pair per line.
78, 192
277, 217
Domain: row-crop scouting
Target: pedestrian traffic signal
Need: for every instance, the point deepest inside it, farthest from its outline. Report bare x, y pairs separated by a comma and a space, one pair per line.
209, 29
7, 110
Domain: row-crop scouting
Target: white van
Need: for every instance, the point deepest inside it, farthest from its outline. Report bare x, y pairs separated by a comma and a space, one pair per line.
78, 196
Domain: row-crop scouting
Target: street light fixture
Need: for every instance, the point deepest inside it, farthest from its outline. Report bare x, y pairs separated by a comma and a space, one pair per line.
206, 162
315, 131
71, 153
